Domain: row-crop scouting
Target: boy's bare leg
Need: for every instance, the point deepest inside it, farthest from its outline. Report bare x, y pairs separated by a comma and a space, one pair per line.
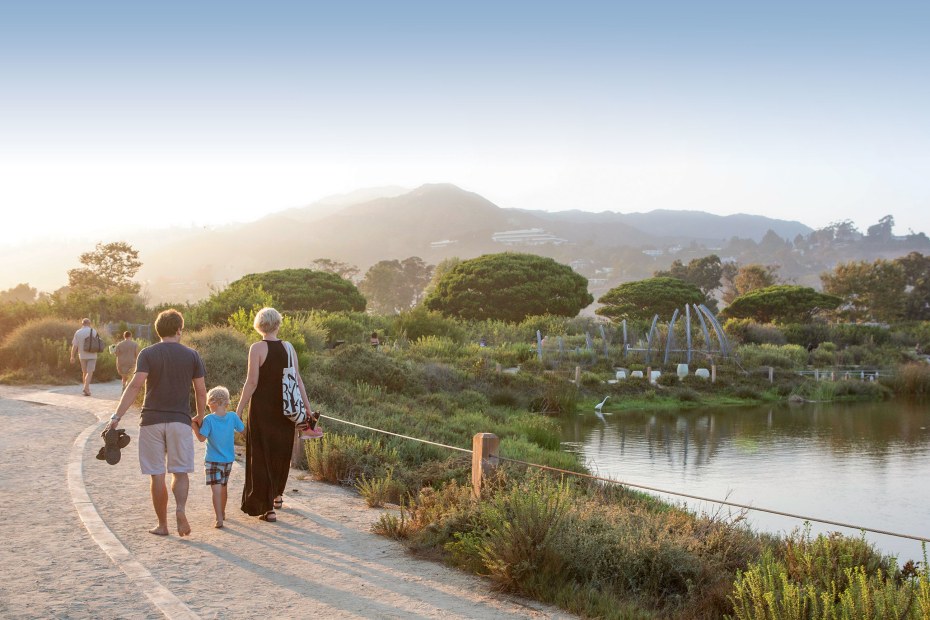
160, 502
225, 495
179, 486
218, 503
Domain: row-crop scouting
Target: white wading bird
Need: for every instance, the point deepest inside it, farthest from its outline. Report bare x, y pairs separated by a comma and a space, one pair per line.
600, 405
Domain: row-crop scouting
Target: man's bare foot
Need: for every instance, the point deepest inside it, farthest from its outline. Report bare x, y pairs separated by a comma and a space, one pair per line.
218, 524
161, 530
184, 528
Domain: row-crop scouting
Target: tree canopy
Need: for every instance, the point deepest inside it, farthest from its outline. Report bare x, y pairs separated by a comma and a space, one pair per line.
392, 286
704, 272
22, 293
341, 269
642, 299
107, 270
509, 286
782, 303
917, 277
749, 278
870, 291
294, 290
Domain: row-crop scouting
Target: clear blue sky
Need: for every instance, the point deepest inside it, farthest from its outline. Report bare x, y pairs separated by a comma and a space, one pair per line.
208, 112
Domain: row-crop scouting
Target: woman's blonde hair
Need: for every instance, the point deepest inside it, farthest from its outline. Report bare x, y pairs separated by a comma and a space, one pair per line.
218, 395
267, 320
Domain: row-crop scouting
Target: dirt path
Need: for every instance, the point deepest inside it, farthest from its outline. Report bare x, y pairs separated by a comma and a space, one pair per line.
82, 551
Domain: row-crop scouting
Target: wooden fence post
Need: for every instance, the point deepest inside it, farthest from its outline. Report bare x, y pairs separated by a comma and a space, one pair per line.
578, 376
484, 448
713, 373
771, 374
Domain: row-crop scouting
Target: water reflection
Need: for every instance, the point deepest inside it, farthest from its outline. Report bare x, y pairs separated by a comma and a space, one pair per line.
867, 464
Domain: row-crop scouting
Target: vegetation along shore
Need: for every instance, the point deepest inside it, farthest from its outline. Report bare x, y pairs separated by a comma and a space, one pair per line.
448, 366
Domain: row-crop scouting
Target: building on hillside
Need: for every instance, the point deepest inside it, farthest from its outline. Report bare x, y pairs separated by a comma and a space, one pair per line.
527, 236
435, 245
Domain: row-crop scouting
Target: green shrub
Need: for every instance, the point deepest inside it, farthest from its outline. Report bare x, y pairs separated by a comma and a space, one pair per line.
686, 395
361, 363
668, 379
349, 327
785, 356
16, 313
557, 396
803, 334
521, 525
912, 380
439, 378
420, 323
504, 397
345, 459
512, 355
378, 491
841, 390
828, 577
591, 380
225, 354
434, 348
39, 351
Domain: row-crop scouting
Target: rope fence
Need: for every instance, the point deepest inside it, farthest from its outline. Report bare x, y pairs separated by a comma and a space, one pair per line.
491, 457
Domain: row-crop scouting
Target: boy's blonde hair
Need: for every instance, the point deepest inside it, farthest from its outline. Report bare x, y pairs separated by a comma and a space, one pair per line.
218, 395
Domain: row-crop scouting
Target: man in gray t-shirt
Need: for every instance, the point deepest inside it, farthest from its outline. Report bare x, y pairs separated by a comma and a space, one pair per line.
167, 370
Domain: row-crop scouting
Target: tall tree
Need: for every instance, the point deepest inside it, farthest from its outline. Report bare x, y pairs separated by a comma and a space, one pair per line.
781, 303
917, 279
509, 286
870, 291
107, 270
881, 232
341, 269
642, 299
19, 293
704, 273
750, 278
392, 286
445, 266
292, 290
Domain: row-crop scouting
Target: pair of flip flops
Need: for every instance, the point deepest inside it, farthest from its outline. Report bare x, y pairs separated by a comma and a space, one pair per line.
114, 440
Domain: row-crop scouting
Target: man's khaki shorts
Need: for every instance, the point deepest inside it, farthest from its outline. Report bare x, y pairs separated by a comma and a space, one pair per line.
88, 365
171, 442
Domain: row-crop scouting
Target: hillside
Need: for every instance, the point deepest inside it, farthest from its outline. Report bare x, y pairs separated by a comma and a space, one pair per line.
441, 220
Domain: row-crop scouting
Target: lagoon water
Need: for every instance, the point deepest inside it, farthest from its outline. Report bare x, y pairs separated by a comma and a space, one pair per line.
867, 464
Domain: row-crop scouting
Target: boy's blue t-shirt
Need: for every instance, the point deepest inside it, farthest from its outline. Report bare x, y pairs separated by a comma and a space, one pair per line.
220, 433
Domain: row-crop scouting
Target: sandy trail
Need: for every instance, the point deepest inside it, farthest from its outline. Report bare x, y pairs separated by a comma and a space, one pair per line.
319, 560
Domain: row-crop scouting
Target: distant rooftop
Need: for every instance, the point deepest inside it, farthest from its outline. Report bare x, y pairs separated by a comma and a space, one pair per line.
527, 236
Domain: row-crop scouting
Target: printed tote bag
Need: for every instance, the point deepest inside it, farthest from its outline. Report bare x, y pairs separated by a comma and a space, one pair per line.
294, 408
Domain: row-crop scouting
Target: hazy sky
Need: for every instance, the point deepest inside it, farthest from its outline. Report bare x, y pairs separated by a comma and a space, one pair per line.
122, 114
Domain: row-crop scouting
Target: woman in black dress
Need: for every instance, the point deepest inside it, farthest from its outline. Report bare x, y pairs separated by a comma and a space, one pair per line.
269, 435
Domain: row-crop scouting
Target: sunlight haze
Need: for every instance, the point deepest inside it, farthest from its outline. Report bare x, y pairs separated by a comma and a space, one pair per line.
118, 117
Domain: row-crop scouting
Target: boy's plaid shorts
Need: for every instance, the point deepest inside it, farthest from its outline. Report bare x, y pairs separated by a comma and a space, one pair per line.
217, 473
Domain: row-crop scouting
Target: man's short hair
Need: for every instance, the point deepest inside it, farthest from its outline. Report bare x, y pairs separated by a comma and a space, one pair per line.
85, 322
127, 334
168, 323
267, 320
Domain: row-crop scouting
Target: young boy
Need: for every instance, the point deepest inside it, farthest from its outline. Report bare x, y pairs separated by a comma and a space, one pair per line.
218, 429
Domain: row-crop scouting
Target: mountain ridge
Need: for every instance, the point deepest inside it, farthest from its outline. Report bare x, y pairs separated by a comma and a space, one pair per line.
433, 221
